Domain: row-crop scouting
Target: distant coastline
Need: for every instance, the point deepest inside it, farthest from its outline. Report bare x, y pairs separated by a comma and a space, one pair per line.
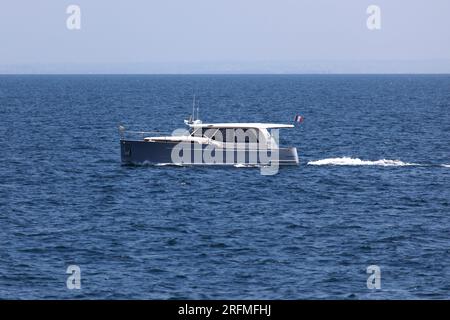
238, 67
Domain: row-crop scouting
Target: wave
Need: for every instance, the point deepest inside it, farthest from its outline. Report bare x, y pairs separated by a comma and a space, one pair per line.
161, 164
446, 165
245, 165
346, 161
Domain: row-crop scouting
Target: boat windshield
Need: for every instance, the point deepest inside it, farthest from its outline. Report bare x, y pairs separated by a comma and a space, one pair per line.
236, 135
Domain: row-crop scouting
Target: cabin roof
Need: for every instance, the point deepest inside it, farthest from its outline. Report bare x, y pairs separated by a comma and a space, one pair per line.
240, 125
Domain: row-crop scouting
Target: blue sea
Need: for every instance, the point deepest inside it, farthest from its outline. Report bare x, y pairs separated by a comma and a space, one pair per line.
372, 188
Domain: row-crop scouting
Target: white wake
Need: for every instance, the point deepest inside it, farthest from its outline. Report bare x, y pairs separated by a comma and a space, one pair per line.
346, 161
246, 165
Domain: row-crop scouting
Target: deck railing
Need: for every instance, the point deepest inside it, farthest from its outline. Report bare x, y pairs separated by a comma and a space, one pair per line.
131, 134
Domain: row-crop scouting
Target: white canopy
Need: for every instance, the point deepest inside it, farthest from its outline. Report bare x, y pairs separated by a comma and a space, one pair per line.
240, 125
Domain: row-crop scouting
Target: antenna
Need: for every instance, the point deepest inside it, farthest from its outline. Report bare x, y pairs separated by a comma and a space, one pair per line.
198, 108
193, 108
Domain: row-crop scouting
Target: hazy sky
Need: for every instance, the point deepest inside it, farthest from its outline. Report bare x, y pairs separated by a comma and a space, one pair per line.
224, 36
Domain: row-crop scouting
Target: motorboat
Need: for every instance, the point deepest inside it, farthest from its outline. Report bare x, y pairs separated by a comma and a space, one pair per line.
237, 144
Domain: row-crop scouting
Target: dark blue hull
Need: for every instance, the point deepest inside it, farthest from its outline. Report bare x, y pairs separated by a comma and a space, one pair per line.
138, 152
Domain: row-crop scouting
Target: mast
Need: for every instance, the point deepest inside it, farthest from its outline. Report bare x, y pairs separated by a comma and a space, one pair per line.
198, 108
193, 109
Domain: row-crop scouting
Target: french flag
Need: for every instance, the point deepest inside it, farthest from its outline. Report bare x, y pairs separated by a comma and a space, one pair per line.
298, 118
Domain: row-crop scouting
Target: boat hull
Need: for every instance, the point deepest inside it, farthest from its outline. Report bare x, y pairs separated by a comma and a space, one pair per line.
139, 152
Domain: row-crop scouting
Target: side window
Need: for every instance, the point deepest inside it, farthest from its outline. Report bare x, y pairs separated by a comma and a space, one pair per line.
209, 133
215, 134
247, 136
251, 135
221, 135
